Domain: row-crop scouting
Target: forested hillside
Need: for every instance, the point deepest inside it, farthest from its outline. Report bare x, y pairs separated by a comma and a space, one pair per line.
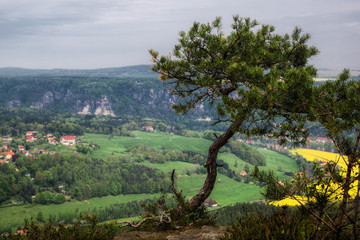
116, 91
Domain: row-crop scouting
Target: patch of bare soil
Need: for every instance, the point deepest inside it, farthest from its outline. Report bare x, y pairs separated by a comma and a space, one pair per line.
187, 233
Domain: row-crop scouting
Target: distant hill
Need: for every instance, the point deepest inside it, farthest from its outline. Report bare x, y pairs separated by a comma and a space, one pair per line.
332, 74
133, 90
135, 71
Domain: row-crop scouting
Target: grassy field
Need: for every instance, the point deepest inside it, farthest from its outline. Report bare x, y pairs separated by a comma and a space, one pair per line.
117, 145
226, 191
167, 167
276, 161
12, 217
191, 184
273, 161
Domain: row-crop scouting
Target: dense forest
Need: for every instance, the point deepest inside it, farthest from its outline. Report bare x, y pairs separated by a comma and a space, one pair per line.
77, 176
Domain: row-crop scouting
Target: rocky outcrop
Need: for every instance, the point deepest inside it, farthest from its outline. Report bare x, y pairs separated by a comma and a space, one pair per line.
46, 100
104, 107
13, 104
101, 107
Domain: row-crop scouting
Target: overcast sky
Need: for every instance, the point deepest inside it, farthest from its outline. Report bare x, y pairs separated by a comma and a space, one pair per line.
84, 34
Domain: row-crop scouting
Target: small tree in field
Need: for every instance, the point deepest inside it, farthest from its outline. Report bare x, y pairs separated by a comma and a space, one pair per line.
259, 81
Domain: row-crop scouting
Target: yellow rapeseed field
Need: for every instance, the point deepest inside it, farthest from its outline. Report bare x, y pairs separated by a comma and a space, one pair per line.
315, 155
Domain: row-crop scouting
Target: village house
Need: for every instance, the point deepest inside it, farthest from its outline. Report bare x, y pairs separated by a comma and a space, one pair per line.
50, 138
30, 139
7, 138
67, 140
7, 156
30, 133
210, 202
322, 140
149, 128
243, 173
21, 148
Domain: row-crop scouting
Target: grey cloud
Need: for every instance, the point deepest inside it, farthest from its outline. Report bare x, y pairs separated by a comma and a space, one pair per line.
100, 33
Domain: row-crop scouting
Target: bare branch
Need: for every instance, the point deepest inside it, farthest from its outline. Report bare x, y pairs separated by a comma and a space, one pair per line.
132, 224
177, 194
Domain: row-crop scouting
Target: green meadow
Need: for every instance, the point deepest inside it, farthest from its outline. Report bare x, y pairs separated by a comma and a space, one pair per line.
117, 145
278, 163
13, 216
167, 167
227, 191
274, 160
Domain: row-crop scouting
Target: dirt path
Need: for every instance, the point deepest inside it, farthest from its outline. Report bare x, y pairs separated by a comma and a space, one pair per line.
188, 233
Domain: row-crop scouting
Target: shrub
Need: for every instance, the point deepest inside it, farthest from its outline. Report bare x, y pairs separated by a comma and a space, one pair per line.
87, 229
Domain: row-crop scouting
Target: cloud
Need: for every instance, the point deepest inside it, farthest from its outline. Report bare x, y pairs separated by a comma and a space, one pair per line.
101, 33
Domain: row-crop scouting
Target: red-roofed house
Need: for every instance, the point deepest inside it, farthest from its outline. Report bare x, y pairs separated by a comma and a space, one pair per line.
30, 133
149, 128
67, 140
21, 148
8, 155
30, 139
4, 146
243, 173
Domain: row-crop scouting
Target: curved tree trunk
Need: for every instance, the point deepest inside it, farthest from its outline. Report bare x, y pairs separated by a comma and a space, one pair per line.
211, 165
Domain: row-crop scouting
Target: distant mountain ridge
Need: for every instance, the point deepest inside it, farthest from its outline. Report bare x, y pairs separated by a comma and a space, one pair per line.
137, 70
